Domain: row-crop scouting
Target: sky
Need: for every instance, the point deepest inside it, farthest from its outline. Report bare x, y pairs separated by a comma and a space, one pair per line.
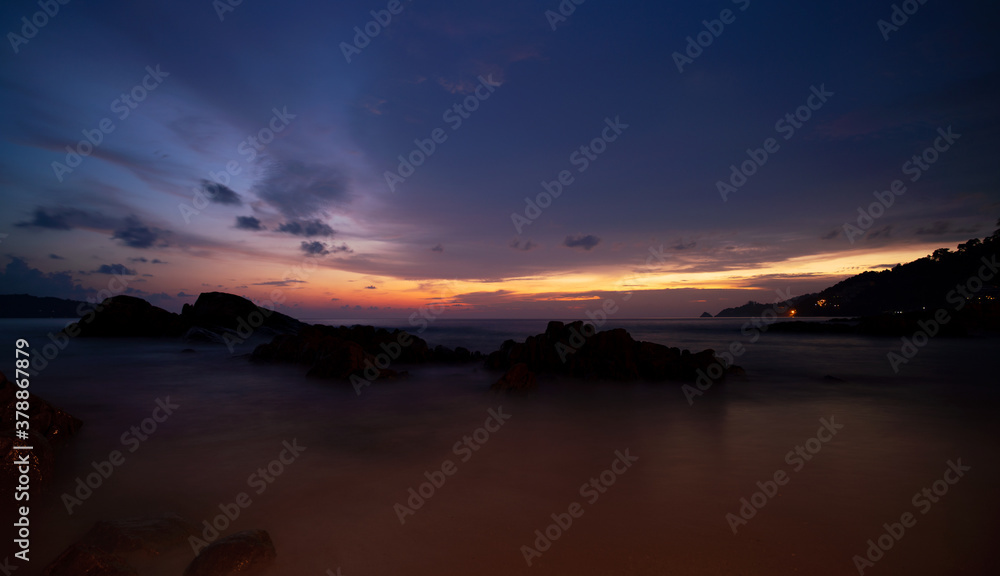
281, 152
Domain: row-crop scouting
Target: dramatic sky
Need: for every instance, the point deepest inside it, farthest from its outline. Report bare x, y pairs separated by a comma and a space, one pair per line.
176, 199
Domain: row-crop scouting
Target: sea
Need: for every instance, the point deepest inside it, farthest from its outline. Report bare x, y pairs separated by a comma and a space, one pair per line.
825, 460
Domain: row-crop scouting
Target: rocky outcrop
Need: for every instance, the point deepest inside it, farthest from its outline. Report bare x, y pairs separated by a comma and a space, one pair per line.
112, 547
214, 318
47, 427
45, 419
241, 554
221, 312
365, 351
518, 379
576, 350
127, 316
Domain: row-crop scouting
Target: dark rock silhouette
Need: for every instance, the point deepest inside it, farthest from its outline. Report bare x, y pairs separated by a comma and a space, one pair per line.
242, 553
518, 378
48, 428
705, 315
222, 312
575, 350
128, 316
111, 547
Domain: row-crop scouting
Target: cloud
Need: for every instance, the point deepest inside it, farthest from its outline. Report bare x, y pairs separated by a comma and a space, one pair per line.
42, 219
139, 259
438, 248
20, 278
680, 245
307, 228
66, 219
220, 194
885, 231
314, 248
935, 229
517, 244
835, 233
56, 257
279, 283
301, 190
183, 294
117, 269
586, 242
371, 288
135, 234
248, 223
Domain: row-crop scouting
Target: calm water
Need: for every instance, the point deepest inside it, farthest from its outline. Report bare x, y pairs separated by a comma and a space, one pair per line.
333, 506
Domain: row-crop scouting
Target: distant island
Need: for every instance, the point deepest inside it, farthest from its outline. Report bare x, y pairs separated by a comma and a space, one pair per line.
25, 306
928, 283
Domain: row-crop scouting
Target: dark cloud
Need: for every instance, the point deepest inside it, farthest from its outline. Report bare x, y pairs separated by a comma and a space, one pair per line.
117, 269
342, 248
279, 283
135, 234
220, 194
883, 232
936, 229
371, 288
835, 233
56, 257
314, 248
586, 242
41, 218
20, 278
158, 261
438, 248
524, 246
307, 228
183, 294
680, 245
248, 223
300, 190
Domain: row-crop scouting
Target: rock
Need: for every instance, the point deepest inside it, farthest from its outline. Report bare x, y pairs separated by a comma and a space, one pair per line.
86, 561
41, 464
215, 310
127, 316
199, 334
576, 350
242, 553
706, 315
518, 378
148, 537
45, 419
110, 547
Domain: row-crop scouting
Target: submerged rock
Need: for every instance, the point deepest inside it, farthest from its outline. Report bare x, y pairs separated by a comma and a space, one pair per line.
243, 553
576, 350
518, 378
